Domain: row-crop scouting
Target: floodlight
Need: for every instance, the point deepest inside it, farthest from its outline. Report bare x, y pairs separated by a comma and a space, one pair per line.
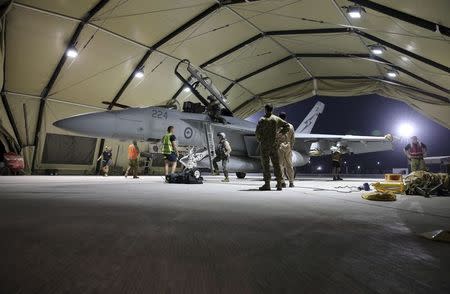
319, 168
355, 11
72, 52
405, 130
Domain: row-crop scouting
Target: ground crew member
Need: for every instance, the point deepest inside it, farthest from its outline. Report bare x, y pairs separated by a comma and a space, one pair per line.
133, 154
214, 110
170, 151
336, 163
286, 142
266, 133
106, 162
223, 152
415, 151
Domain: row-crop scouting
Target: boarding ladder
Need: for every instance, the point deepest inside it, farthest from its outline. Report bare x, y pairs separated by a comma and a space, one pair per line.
210, 144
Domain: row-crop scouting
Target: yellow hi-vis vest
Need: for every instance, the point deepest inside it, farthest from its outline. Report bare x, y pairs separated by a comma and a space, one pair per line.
167, 145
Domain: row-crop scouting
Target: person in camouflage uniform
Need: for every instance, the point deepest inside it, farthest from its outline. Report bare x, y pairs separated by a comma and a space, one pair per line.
266, 133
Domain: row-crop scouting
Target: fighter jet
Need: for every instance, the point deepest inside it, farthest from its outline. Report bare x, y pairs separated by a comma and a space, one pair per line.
198, 129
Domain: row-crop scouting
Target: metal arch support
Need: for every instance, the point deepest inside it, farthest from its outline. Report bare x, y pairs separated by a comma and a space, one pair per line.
439, 97
417, 21
11, 120
158, 44
403, 51
260, 36
56, 72
273, 40
413, 75
339, 55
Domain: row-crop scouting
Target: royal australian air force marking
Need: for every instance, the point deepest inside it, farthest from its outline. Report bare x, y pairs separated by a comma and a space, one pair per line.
159, 114
188, 133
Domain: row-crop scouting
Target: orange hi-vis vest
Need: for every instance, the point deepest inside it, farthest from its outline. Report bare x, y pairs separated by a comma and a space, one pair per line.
416, 150
133, 152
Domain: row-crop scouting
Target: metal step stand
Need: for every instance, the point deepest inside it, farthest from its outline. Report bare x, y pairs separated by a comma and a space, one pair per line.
210, 144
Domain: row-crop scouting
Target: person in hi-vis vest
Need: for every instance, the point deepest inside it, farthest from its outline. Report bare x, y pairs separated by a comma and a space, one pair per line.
170, 151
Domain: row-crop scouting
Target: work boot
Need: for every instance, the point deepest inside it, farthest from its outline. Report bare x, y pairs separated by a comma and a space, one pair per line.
226, 180
265, 187
339, 178
291, 185
280, 186
334, 178
135, 177
215, 173
283, 185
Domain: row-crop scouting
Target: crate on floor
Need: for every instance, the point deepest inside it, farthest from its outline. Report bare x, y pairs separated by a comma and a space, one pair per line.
393, 177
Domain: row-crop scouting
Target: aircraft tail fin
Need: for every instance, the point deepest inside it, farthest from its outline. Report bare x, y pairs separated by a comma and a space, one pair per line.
308, 123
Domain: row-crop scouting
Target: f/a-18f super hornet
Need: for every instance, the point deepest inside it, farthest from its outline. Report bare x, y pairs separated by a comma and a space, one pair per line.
198, 130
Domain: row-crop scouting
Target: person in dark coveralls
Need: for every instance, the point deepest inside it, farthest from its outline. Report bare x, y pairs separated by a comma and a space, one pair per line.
223, 152
214, 110
268, 129
106, 160
336, 156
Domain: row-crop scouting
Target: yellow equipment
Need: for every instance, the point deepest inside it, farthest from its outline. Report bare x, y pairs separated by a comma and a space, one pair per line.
380, 196
389, 187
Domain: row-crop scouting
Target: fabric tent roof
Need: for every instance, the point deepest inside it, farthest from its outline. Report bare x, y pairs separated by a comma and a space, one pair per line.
256, 51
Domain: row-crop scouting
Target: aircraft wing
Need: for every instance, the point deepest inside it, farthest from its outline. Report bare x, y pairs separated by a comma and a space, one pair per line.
437, 159
353, 144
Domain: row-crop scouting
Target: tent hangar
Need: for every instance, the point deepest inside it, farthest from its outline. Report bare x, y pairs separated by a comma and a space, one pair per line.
62, 58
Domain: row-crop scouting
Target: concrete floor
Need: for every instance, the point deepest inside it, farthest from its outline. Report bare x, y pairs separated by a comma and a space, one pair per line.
116, 235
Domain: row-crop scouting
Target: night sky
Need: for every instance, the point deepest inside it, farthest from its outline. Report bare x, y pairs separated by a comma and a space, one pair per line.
370, 115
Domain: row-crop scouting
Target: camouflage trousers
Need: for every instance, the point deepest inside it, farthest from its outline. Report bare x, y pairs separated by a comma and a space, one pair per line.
225, 161
417, 164
268, 155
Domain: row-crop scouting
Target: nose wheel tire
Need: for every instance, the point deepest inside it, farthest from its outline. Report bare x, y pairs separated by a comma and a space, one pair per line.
240, 175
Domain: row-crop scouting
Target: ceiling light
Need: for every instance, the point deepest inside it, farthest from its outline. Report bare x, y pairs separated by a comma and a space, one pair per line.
139, 73
392, 73
377, 49
404, 58
355, 11
72, 52
186, 89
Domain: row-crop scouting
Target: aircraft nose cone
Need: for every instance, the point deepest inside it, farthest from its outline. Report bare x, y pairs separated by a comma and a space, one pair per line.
92, 124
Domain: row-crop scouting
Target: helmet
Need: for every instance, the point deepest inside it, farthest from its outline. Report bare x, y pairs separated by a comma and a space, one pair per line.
221, 134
